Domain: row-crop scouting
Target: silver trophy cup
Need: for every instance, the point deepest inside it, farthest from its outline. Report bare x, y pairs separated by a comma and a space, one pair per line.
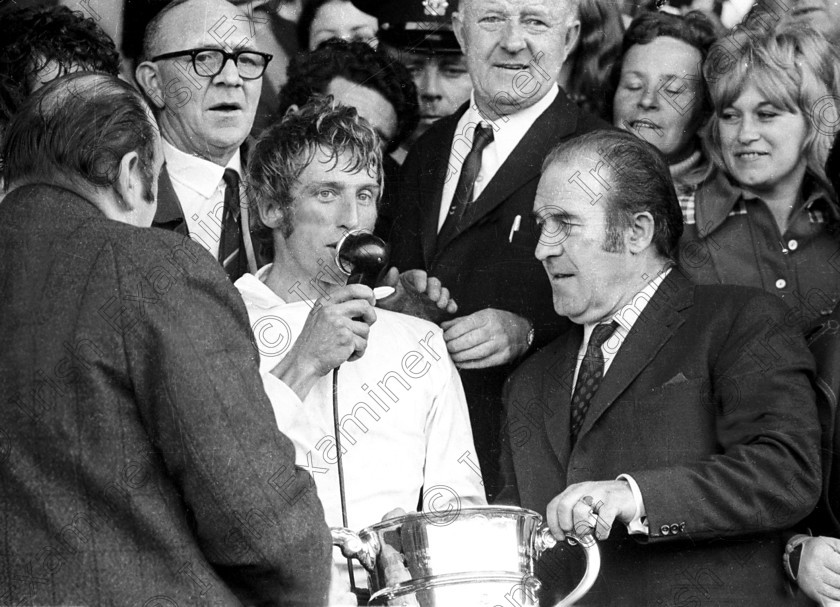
474, 557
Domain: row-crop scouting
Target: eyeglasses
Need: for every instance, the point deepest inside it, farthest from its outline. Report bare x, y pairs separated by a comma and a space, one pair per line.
210, 62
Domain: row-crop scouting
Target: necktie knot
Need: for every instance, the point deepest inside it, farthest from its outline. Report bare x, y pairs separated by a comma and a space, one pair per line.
601, 333
231, 179
482, 138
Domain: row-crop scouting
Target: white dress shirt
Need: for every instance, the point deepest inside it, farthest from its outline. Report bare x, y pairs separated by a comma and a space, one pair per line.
626, 317
201, 191
394, 448
508, 131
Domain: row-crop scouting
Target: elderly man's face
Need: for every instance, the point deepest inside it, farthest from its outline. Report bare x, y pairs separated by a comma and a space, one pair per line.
514, 49
206, 116
328, 202
587, 281
822, 15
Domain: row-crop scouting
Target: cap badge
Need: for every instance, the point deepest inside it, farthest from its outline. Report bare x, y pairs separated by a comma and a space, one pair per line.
435, 8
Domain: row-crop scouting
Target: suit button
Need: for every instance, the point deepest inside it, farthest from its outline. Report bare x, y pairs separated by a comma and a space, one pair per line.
682, 527
675, 529
781, 283
665, 530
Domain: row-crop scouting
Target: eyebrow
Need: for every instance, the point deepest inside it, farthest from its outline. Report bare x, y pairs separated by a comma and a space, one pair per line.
565, 215
340, 185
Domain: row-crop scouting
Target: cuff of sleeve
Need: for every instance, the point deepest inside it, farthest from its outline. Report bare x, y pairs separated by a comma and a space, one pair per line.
284, 401
793, 552
638, 525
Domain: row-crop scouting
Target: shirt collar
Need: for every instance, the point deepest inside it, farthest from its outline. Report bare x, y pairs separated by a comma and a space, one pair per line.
628, 314
253, 288
717, 198
508, 130
198, 174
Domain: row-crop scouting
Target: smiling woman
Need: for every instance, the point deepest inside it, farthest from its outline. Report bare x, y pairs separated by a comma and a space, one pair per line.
768, 217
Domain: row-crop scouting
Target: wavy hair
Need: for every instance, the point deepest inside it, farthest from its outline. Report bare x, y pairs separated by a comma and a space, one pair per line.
32, 38
287, 147
795, 68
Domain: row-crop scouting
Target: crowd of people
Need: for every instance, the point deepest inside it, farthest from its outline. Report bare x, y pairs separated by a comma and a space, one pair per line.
611, 295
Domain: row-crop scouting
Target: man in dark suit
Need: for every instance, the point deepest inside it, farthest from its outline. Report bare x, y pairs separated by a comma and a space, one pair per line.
467, 188
140, 461
202, 73
685, 413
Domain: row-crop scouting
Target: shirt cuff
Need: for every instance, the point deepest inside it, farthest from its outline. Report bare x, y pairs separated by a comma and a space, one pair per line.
285, 402
638, 525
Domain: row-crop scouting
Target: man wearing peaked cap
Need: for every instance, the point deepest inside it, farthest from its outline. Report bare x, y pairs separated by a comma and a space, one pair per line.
466, 192
419, 34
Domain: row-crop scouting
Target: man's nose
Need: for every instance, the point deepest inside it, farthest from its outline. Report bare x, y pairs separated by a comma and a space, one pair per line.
513, 37
429, 84
230, 73
350, 214
549, 245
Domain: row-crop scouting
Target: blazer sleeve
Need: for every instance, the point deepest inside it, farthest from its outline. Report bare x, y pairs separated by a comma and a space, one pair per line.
766, 474
201, 399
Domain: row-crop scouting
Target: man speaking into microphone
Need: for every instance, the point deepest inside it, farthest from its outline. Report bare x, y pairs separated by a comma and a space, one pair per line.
403, 422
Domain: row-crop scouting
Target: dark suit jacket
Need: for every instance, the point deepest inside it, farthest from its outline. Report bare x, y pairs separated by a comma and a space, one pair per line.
825, 345
140, 462
170, 215
708, 405
480, 267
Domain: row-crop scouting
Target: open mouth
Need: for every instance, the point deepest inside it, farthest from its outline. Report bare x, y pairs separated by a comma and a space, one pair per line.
226, 107
645, 124
513, 67
749, 155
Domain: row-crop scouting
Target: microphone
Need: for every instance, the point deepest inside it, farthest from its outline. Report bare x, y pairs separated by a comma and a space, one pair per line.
362, 257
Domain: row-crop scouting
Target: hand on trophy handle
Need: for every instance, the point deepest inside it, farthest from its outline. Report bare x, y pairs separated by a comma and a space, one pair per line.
590, 508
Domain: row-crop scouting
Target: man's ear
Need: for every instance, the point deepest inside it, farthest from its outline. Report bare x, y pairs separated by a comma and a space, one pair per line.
641, 232
572, 35
458, 30
129, 183
271, 214
150, 80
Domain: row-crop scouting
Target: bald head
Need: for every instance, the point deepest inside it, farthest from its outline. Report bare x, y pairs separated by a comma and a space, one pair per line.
205, 116
181, 20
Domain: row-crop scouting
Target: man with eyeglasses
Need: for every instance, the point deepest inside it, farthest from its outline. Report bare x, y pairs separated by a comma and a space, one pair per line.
203, 75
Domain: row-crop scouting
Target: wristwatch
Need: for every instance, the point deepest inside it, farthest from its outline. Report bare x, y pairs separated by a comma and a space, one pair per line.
793, 553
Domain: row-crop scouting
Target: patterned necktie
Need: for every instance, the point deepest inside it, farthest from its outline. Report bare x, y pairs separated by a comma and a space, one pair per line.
466, 182
590, 374
231, 248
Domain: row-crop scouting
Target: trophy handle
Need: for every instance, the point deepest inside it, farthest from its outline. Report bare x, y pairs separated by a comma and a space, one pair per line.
593, 566
354, 547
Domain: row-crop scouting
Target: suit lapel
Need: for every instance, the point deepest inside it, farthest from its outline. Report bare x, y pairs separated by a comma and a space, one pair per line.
556, 392
655, 326
524, 162
169, 214
435, 172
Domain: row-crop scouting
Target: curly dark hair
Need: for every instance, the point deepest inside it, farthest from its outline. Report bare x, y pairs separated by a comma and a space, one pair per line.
31, 38
311, 73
